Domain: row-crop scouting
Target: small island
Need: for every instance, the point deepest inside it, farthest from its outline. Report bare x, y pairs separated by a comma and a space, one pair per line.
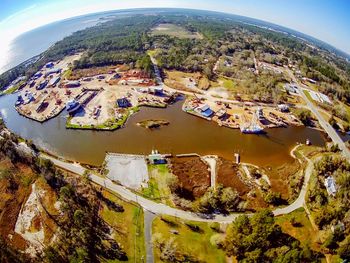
153, 124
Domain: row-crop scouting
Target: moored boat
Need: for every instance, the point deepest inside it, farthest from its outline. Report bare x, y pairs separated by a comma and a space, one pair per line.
72, 106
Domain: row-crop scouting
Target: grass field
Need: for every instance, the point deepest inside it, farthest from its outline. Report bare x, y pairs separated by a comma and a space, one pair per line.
304, 231
195, 243
174, 31
158, 189
128, 225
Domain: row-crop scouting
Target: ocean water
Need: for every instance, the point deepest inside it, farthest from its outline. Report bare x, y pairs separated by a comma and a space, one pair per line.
34, 42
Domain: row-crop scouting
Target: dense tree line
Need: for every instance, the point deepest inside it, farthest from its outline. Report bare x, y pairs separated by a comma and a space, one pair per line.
260, 239
126, 39
332, 211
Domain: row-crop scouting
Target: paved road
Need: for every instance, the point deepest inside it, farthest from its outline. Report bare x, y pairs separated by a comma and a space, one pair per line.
323, 123
148, 220
162, 209
299, 202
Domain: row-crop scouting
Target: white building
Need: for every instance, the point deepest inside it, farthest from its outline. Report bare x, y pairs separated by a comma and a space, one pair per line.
329, 183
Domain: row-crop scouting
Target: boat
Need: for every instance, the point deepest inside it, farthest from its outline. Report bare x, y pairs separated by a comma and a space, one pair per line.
254, 129
72, 106
42, 106
19, 101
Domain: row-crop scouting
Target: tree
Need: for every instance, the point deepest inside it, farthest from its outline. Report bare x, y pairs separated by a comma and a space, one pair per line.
333, 123
304, 116
344, 249
259, 239
273, 198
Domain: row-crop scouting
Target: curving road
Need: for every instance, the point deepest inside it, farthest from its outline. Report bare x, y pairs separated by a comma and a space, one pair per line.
323, 123
162, 209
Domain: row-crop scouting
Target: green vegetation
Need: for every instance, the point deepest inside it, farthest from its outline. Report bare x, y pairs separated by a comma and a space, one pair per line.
176, 240
159, 184
304, 115
128, 221
152, 190
298, 225
220, 199
151, 124
195, 42
331, 213
173, 31
260, 239
111, 125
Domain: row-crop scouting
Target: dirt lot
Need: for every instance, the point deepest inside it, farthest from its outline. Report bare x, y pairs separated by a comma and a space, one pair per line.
193, 175
185, 81
49, 101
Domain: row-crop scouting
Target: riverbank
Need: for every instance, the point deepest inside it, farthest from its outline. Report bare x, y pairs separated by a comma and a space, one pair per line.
185, 134
109, 125
240, 116
160, 208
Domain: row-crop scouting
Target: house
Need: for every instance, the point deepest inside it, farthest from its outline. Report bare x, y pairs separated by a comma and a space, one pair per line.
123, 103
330, 185
205, 110
325, 98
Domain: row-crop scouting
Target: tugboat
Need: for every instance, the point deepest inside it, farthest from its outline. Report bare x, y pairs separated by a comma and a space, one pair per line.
72, 106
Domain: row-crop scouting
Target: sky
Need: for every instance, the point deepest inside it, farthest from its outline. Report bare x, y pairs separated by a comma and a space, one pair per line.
327, 20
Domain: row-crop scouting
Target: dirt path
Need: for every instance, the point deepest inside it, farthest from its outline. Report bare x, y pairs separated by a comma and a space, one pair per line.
211, 161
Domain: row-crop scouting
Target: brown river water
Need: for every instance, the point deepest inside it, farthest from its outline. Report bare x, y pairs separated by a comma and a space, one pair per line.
185, 134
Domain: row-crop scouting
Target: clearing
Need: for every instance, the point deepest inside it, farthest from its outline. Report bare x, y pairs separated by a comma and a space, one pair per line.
190, 239
174, 31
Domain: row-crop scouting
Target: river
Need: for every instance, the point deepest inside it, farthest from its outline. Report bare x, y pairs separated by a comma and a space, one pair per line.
185, 134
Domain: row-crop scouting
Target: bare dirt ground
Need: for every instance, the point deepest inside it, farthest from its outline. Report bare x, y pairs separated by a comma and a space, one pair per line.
23, 222
193, 175
54, 97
